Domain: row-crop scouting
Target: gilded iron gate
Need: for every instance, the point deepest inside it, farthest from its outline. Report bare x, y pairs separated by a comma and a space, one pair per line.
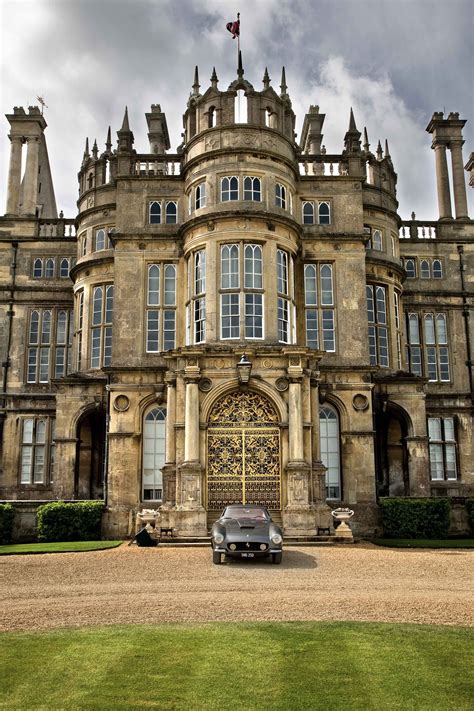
243, 452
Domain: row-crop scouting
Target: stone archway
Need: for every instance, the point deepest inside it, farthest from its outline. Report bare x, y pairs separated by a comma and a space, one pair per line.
88, 474
243, 452
392, 454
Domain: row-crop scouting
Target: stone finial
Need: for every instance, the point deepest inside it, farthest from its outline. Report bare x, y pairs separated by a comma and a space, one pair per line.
266, 79
387, 152
366, 141
283, 86
95, 150
240, 68
352, 123
413, 216
108, 141
86, 151
125, 124
379, 151
214, 78
196, 85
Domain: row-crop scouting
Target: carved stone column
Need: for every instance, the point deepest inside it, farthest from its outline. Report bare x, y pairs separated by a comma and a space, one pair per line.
30, 190
459, 186
169, 469
14, 176
442, 182
192, 516
298, 516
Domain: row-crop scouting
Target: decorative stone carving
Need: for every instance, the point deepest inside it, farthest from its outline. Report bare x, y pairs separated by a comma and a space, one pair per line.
121, 403
360, 402
282, 384
205, 384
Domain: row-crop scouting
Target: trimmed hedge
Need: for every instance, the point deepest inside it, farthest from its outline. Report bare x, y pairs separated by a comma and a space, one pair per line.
470, 513
7, 514
415, 518
60, 521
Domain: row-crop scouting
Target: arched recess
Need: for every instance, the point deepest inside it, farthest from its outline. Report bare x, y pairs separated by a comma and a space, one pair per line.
255, 386
90, 449
153, 453
392, 425
330, 444
243, 451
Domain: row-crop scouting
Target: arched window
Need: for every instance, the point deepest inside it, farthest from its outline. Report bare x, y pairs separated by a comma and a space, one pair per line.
253, 266
308, 213
171, 213
268, 116
155, 213
64, 268
437, 269
240, 107
99, 240
410, 268
280, 196
49, 268
230, 266
330, 450
252, 189
38, 268
200, 196
377, 243
229, 188
324, 213
212, 117
425, 269
154, 427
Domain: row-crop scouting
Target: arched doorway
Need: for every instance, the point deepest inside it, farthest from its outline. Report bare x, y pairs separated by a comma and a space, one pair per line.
392, 454
89, 471
243, 452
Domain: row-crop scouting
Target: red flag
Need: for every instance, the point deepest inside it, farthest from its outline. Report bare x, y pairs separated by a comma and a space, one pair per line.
234, 28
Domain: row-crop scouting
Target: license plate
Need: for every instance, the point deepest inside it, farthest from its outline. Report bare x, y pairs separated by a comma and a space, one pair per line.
248, 555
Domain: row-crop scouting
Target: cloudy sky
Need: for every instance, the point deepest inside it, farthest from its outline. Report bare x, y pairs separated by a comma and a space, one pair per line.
393, 61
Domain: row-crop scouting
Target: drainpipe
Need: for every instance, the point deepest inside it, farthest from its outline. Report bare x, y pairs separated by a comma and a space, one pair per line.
106, 448
466, 315
10, 313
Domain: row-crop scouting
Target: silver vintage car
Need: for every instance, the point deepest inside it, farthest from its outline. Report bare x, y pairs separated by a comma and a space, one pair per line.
246, 531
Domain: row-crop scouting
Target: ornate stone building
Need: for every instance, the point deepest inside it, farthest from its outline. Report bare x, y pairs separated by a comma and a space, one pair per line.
247, 319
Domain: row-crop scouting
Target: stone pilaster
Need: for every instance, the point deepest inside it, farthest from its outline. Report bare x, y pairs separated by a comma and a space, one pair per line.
30, 190
418, 466
63, 485
14, 176
169, 469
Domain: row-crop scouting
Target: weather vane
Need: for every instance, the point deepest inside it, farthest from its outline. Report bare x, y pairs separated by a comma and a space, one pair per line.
42, 102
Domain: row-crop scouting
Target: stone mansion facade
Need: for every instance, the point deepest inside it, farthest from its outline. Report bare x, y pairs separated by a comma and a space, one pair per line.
247, 320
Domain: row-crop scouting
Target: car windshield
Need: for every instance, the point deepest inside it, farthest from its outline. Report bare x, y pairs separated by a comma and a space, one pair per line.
240, 512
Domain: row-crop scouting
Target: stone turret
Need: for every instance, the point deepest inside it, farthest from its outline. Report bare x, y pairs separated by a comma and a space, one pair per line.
34, 196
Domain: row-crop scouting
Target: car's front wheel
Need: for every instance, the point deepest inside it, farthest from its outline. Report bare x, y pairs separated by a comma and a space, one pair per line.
276, 558
216, 558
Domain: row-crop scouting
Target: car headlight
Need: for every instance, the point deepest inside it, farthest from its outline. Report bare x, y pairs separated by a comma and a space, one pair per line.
276, 539
218, 538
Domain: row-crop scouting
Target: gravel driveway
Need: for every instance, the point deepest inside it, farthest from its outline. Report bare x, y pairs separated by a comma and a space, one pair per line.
164, 584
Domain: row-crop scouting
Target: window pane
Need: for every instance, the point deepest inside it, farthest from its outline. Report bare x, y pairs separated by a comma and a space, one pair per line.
155, 213
107, 346
449, 429
434, 428
170, 285
253, 316
26, 461
32, 361
95, 348
230, 266
171, 213
153, 320
410, 268
413, 329
441, 332
64, 268
282, 272
49, 268
109, 304
429, 329
100, 239
424, 269
153, 285
199, 320
97, 306
44, 365
370, 304
61, 328
329, 343
308, 213
230, 316
283, 320
169, 330
200, 272
312, 338
436, 461
381, 311
38, 268
310, 286
377, 240
34, 327
46, 328
253, 266
437, 269
326, 285
324, 213
28, 431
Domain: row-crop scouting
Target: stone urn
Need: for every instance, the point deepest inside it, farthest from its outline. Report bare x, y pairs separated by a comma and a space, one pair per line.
147, 517
343, 515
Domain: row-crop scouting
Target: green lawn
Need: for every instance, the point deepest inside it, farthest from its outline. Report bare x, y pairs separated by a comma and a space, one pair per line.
424, 542
260, 666
63, 547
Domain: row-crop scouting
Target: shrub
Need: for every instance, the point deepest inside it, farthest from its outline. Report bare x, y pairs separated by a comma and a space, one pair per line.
415, 518
60, 521
470, 513
7, 514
